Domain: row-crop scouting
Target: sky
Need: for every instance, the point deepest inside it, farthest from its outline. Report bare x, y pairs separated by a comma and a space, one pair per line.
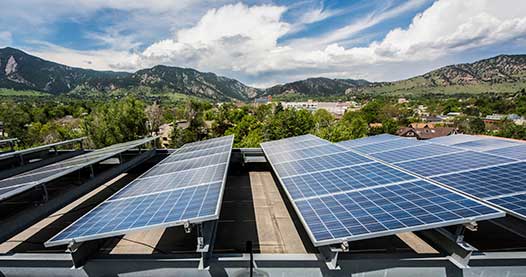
266, 42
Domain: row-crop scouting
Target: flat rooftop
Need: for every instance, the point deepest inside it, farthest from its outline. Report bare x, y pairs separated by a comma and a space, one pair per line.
254, 208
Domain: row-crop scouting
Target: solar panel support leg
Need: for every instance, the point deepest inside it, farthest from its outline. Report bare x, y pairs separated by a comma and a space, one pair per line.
459, 252
330, 255
205, 240
81, 252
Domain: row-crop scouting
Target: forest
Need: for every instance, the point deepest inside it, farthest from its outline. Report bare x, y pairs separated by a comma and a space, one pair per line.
36, 121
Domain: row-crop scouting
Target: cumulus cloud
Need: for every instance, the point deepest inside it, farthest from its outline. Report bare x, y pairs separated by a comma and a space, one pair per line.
243, 41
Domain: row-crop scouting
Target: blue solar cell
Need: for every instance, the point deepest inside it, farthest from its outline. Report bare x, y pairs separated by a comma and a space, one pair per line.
287, 146
415, 152
452, 163
203, 146
121, 216
198, 153
454, 139
514, 152
515, 203
175, 180
388, 145
304, 153
343, 179
488, 182
320, 163
168, 194
486, 144
170, 167
368, 140
387, 210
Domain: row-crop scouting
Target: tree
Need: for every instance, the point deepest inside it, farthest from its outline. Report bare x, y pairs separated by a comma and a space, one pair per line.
358, 128
115, 122
288, 123
279, 108
390, 126
322, 118
154, 115
476, 126
338, 131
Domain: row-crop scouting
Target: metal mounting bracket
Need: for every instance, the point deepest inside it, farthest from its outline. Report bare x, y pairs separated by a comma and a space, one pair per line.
330, 254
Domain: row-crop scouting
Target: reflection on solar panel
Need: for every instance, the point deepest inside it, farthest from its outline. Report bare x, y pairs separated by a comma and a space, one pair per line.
320, 150
178, 190
365, 198
387, 210
514, 152
486, 144
415, 152
368, 140
454, 139
33, 178
452, 163
387, 145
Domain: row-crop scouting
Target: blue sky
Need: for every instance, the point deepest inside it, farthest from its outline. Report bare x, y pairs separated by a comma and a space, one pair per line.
264, 42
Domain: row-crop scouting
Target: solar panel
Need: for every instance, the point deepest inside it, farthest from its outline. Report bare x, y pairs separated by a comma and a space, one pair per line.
488, 182
368, 140
415, 152
387, 145
176, 191
342, 179
341, 159
454, 139
38, 148
387, 210
452, 163
197, 153
515, 152
291, 146
367, 199
486, 144
322, 149
116, 217
515, 203
33, 178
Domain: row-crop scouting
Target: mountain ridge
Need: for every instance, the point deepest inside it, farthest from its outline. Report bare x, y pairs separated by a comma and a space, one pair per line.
22, 71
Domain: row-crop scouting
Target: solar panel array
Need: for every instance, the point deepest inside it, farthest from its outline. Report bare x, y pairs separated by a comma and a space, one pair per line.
25, 181
39, 148
186, 186
492, 169
343, 195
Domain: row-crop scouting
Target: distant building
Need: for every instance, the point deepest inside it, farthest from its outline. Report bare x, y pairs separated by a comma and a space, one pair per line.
424, 131
492, 121
262, 100
402, 101
336, 108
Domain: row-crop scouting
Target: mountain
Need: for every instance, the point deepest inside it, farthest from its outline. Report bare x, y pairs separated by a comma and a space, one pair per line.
317, 87
21, 71
503, 73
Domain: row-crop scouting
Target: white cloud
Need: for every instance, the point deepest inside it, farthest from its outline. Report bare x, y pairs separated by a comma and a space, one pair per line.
242, 41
